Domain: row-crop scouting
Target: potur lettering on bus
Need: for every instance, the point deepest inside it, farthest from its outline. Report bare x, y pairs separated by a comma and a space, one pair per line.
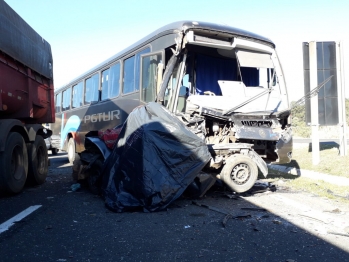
102, 116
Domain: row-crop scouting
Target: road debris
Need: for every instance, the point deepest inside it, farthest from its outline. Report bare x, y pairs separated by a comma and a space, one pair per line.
211, 208
313, 218
254, 209
232, 196
338, 234
334, 211
225, 219
262, 187
227, 214
75, 187
275, 221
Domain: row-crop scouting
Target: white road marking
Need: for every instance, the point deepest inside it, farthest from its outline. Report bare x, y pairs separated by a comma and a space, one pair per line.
6, 225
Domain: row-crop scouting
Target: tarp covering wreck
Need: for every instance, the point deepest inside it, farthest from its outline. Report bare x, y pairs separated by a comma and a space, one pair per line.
153, 162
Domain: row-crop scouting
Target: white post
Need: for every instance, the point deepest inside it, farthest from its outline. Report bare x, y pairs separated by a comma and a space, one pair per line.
314, 104
341, 100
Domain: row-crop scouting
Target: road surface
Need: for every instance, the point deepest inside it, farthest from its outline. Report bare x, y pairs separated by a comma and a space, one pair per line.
76, 226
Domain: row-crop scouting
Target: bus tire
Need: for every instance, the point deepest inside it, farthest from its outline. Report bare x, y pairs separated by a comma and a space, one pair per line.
71, 150
38, 161
54, 151
13, 164
239, 173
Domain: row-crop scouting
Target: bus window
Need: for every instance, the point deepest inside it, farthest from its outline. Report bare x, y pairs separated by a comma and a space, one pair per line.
132, 72
105, 82
77, 95
66, 99
58, 102
114, 83
149, 76
138, 66
110, 82
91, 89
129, 75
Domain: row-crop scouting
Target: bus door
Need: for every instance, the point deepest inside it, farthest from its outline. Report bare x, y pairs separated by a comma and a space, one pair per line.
151, 75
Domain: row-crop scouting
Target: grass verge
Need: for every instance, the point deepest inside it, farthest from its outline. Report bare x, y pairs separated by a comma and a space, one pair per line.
330, 160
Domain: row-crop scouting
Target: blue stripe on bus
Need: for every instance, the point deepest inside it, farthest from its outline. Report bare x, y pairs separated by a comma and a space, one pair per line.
72, 125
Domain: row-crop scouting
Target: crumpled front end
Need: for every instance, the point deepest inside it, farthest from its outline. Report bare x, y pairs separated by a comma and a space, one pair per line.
271, 137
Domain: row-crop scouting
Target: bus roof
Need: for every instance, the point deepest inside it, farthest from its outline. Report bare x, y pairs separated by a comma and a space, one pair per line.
175, 27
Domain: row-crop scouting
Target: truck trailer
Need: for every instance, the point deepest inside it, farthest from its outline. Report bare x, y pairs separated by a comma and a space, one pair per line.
26, 102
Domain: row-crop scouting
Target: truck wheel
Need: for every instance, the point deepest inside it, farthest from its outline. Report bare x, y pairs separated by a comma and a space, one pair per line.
239, 173
13, 164
71, 150
38, 161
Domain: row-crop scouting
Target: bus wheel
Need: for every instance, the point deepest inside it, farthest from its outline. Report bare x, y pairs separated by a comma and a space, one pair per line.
71, 150
239, 173
38, 161
13, 164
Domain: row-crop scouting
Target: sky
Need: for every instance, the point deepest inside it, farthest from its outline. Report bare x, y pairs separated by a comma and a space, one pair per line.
84, 33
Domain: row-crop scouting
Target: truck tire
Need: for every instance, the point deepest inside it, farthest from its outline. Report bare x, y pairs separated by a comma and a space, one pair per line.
71, 150
38, 161
13, 164
239, 173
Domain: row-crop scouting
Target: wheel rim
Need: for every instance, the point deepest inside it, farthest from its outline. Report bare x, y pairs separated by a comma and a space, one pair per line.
16, 163
240, 174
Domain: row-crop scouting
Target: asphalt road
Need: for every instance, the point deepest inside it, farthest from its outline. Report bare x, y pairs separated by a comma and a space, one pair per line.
76, 226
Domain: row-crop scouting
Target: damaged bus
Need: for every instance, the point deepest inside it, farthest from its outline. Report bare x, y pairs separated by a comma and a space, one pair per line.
224, 83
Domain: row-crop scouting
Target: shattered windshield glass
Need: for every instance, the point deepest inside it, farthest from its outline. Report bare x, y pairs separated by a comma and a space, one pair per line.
259, 76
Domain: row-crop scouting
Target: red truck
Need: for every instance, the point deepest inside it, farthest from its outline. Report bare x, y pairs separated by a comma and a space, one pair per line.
26, 102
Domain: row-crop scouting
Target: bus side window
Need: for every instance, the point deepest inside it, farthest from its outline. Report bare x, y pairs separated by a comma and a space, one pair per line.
114, 83
138, 66
111, 82
66, 99
58, 102
129, 75
132, 72
105, 82
91, 89
77, 95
